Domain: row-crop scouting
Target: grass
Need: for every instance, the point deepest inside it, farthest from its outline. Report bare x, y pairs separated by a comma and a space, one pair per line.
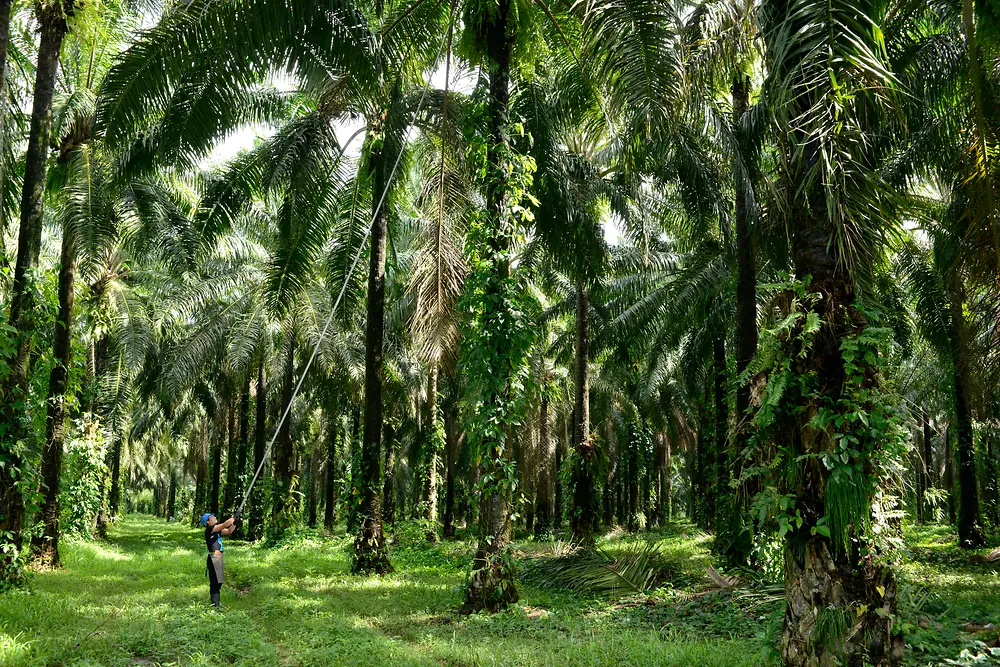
141, 598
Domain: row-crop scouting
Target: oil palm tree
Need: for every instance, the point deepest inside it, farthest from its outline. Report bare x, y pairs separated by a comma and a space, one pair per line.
827, 91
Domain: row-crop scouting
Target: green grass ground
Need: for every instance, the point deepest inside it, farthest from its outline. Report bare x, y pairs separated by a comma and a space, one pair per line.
141, 598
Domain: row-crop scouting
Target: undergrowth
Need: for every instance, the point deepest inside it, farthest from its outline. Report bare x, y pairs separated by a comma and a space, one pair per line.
141, 598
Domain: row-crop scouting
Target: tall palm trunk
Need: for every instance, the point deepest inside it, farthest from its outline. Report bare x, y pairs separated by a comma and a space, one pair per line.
370, 552
970, 531
115, 499
722, 460
388, 486
949, 472
666, 496
929, 477
917, 460
280, 507
562, 445
332, 485
232, 454
611, 481
546, 455
825, 584
583, 470
47, 545
171, 495
53, 27
491, 585
255, 522
451, 439
431, 441
991, 488
5, 6
313, 471
218, 442
746, 271
242, 452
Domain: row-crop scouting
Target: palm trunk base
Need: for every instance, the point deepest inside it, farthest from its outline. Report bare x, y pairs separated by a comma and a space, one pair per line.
832, 614
491, 584
370, 553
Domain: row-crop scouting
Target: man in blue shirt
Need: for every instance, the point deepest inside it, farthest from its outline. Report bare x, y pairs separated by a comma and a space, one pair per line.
213, 540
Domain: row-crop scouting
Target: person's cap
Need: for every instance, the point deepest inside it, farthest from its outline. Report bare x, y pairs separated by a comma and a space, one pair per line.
204, 518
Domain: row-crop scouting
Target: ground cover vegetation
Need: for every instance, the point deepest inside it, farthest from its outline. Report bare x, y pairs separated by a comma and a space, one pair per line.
523, 331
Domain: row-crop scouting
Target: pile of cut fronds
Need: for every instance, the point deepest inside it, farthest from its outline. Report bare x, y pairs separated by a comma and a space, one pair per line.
636, 567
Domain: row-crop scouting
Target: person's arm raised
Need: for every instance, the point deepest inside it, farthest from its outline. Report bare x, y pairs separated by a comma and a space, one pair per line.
220, 527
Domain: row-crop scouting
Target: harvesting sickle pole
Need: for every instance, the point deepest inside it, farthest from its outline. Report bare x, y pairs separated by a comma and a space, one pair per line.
343, 287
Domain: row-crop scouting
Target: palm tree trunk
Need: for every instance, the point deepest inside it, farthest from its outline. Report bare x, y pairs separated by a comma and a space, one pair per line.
557, 503
242, 451
171, 495
949, 473
232, 455
991, 489
586, 455
313, 463
431, 442
255, 520
722, 462
970, 531
929, 453
613, 473
218, 438
280, 506
491, 584
370, 552
546, 456
388, 485
5, 6
827, 584
451, 439
746, 271
47, 545
52, 25
920, 470
330, 511
200, 483
114, 502
665, 481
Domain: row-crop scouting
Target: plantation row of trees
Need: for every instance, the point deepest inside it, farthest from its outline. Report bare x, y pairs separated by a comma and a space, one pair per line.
512, 264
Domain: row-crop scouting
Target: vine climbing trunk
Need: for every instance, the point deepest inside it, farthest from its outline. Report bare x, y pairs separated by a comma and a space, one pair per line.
491, 582
370, 552
841, 595
47, 544
585, 455
52, 24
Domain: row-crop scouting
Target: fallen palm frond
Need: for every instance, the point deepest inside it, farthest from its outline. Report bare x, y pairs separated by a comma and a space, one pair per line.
635, 568
991, 557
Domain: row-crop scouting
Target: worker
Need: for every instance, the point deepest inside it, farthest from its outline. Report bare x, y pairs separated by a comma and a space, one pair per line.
213, 540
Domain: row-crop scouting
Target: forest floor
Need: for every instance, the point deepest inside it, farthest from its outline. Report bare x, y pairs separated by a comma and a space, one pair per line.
141, 598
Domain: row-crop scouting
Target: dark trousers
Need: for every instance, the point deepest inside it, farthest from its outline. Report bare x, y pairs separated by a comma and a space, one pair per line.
215, 577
